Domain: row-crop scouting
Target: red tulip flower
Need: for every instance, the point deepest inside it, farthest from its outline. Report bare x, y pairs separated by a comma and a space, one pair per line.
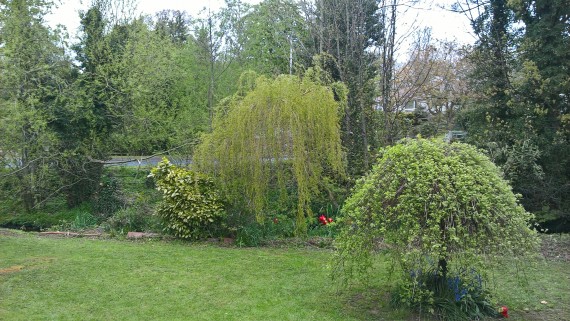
504, 311
330, 220
323, 220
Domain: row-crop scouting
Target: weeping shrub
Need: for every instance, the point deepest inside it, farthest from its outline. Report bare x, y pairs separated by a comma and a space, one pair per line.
440, 209
191, 207
280, 135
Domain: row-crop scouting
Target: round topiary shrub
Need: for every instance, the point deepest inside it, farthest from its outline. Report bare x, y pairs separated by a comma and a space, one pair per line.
439, 209
192, 206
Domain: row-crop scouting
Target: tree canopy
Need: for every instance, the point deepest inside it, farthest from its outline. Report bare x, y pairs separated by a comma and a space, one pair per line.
520, 112
433, 199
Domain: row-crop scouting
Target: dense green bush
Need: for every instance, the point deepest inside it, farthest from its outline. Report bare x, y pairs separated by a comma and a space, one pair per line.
192, 207
437, 207
135, 218
53, 216
249, 232
140, 202
83, 220
109, 197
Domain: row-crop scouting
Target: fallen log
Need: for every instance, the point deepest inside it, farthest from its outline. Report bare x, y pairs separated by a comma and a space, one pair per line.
70, 234
140, 235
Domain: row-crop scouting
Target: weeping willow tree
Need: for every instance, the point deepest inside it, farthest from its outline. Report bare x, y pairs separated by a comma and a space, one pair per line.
273, 135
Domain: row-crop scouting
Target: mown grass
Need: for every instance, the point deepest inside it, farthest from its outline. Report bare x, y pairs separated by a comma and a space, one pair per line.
83, 279
537, 290
43, 278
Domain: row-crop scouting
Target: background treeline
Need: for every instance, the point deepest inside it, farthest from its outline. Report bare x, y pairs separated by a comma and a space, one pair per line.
141, 85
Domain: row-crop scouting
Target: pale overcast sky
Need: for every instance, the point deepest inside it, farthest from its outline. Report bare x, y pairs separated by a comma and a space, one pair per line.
444, 24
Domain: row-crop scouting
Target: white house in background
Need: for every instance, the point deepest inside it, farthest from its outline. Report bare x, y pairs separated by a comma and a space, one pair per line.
414, 105
411, 106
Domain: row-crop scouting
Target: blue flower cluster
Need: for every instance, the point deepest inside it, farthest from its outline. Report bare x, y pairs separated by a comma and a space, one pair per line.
460, 289
457, 284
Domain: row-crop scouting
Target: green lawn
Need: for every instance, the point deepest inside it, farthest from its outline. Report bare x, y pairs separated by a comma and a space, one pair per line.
46, 278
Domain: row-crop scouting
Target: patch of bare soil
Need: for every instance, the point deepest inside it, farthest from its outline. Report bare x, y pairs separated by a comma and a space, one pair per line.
11, 269
547, 315
556, 247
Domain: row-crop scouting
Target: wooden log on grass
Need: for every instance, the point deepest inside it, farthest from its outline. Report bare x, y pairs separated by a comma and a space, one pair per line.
74, 234
140, 235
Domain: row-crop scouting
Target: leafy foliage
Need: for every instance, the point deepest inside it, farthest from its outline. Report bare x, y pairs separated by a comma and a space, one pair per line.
53, 215
460, 296
139, 199
439, 207
521, 112
192, 207
34, 71
83, 220
135, 218
108, 199
282, 135
256, 234
274, 38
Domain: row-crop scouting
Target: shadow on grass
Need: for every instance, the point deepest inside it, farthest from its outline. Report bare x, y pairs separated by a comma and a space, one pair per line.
373, 303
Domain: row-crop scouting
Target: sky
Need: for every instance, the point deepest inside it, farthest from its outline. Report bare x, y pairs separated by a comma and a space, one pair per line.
445, 25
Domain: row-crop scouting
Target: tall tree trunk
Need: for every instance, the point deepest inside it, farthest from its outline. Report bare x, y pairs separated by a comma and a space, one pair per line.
211, 83
389, 37
364, 135
442, 263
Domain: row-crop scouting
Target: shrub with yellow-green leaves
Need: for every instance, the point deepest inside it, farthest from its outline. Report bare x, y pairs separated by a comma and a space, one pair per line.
439, 209
192, 207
